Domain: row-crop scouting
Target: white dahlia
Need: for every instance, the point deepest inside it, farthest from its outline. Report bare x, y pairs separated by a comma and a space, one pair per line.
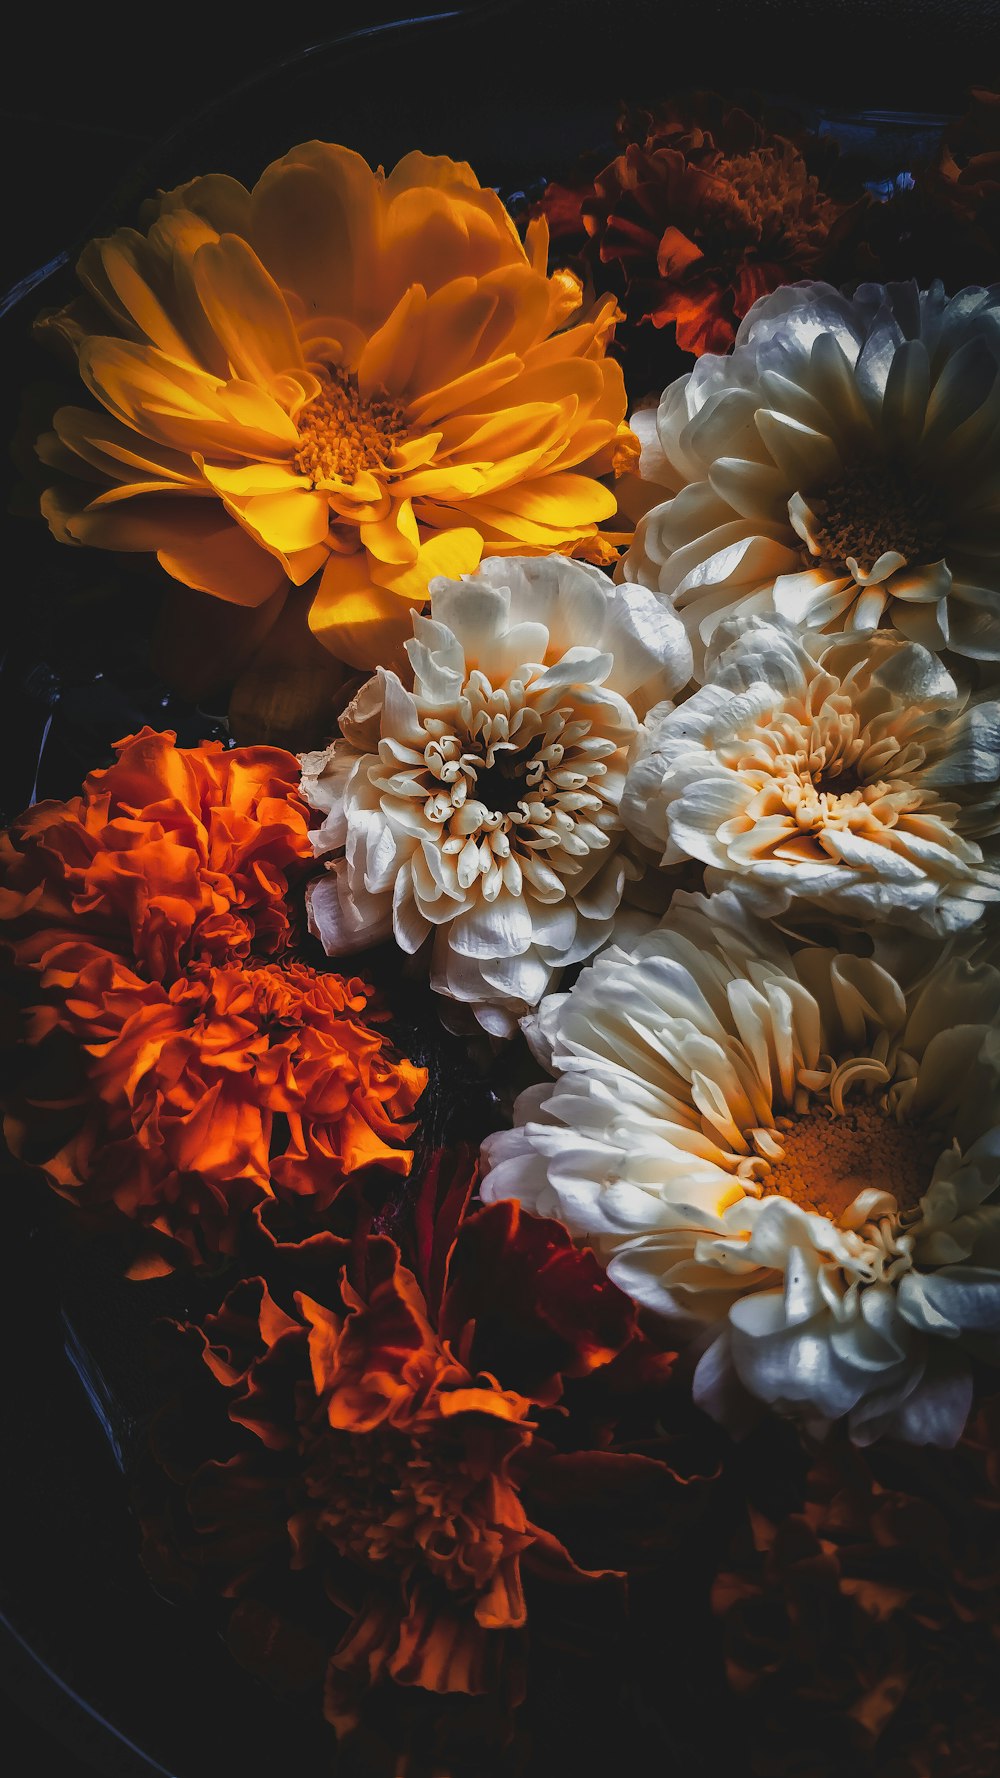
798, 1151
476, 812
841, 466
848, 772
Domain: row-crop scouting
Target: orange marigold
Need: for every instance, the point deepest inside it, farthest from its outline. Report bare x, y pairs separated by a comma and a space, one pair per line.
229, 1087
398, 1450
171, 856
342, 373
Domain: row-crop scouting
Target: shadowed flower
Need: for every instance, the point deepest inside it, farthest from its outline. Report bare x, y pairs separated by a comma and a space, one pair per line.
794, 1153
400, 1453
838, 467
861, 1628
703, 212
850, 772
170, 857
478, 812
339, 373
226, 1088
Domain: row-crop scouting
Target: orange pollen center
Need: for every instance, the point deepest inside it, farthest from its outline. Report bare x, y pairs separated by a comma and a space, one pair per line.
829, 1159
340, 434
873, 510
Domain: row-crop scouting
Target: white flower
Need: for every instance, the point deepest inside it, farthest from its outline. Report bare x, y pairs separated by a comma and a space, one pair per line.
796, 1155
848, 771
840, 466
478, 812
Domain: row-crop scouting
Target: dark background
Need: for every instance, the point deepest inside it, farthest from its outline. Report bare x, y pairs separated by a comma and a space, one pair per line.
90, 93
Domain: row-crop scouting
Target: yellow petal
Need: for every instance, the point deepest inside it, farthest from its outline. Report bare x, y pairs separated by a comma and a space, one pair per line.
356, 620
216, 556
247, 312
394, 538
122, 268
287, 522
453, 553
463, 392
387, 360
117, 452
251, 478
315, 222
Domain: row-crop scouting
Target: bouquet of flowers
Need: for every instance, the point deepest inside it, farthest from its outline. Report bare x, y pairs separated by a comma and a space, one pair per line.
548, 1017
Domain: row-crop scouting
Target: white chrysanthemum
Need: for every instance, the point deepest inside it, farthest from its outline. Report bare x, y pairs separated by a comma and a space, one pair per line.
841, 466
799, 1152
478, 811
849, 772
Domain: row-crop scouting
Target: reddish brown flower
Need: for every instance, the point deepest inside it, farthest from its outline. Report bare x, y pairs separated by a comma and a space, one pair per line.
703, 212
418, 1457
862, 1629
224, 1089
171, 856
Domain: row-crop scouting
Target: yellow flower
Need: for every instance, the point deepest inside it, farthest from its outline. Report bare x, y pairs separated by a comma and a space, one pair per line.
339, 374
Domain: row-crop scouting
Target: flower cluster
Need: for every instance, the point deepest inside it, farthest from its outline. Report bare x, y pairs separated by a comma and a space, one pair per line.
180, 1067
641, 1327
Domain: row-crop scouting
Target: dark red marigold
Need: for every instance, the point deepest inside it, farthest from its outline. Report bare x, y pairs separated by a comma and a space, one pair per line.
416, 1459
703, 212
862, 1630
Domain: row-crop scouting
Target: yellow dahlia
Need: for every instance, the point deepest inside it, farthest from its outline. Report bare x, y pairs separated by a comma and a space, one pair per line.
341, 374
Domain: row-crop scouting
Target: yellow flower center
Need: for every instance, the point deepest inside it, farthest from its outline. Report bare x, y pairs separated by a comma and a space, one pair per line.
872, 510
828, 1159
340, 434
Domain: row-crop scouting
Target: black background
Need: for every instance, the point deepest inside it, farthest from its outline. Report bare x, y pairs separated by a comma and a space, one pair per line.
88, 93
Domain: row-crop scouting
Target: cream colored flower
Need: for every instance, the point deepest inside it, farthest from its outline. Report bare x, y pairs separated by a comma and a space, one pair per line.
477, 812
840, 466
848, 772
795, 1154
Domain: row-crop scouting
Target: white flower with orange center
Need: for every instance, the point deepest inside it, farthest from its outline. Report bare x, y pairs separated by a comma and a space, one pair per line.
840, 466
358, 378
476, 811
793, 1154
848, 772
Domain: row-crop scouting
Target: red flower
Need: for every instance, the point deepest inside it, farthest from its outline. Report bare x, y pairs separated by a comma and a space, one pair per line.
227, 1088
703, 212
420, 1458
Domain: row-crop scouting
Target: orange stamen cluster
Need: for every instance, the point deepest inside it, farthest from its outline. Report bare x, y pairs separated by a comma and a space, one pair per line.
340, 434
873, 510
829, 1159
